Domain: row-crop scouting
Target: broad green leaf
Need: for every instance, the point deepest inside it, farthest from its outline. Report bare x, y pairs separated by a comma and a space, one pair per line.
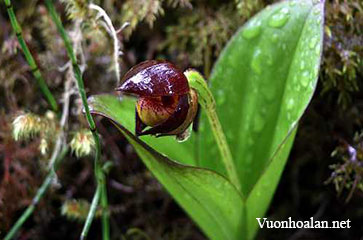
263, 82
209, 198
303, 71
261, 195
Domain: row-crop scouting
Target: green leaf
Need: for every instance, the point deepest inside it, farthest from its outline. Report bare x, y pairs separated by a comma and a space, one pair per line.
201, 192
261, 195
263, 82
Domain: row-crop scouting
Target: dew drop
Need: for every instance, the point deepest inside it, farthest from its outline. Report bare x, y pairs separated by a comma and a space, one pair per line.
295, 79
279, 18
275, 37
313, 42
256, 62
292, 3
312, 85
302, 65
303, 3
316, 11
252, 30
316, 1
316, 71
317, 50
305, 77
298, 87
283, 46
290, 104
259, 123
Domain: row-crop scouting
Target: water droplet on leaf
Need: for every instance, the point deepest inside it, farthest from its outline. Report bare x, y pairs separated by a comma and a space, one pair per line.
256, 62
312, 85
316, 1
290, 104
252, 30
316, 71
313, 42
305, 77
259, 123
279, 18
302, 65
275, 37
292, 3
283, 46
317, 49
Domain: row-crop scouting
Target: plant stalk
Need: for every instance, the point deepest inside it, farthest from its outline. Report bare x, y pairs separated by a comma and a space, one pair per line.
207, 101
40, 193
105, 212
29, 57
91, 123
91, 213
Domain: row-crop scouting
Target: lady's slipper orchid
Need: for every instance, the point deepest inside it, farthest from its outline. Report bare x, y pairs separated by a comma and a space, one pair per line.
165, 103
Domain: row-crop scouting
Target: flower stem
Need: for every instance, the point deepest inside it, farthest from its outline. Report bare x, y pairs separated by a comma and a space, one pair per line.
91, 213
40, 193
206, 100
92, 126
105, 213
29, 57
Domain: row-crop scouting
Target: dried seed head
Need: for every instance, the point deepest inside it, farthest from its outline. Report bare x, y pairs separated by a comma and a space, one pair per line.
82, 143
77, 209
26, 125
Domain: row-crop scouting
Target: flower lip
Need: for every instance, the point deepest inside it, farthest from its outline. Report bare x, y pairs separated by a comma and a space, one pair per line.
154, 78
172, 123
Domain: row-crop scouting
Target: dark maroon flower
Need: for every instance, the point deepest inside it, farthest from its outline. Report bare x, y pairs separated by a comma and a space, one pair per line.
166, 104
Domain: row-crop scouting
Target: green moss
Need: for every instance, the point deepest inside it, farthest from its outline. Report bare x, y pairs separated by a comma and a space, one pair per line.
343, 50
